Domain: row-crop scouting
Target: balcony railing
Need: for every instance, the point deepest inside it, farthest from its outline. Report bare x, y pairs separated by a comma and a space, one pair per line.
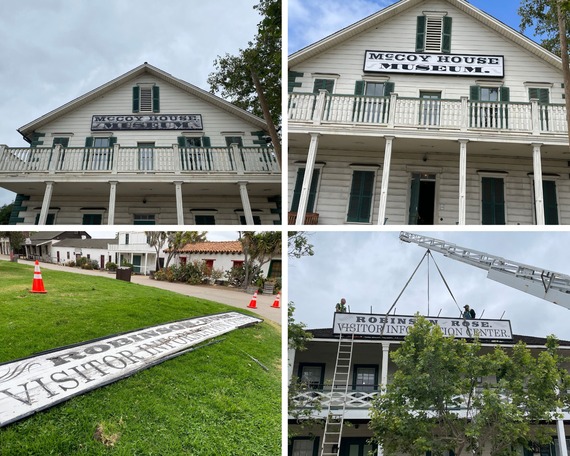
118, 159
421, 113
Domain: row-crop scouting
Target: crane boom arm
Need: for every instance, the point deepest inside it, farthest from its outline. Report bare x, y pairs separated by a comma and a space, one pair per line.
549, 285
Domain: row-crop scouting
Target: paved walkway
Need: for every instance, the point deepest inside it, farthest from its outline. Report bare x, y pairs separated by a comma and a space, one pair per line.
224, 295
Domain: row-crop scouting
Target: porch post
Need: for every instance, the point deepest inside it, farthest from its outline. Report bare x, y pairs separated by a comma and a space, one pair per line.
385, 355
462, 179
45, 204
561, 436
385, 180
179, 203
112, 198
538, 195
307, 178
245, 203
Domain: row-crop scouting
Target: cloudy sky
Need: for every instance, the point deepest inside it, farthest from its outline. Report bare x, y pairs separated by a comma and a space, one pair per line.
370, 269
54, 51
334, 15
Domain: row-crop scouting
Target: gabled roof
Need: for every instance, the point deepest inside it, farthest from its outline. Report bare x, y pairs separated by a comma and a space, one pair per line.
399, 7
145, 68
49, 235
213, 247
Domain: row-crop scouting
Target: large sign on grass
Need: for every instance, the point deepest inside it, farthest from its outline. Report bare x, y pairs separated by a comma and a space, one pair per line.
399, 325
41, 381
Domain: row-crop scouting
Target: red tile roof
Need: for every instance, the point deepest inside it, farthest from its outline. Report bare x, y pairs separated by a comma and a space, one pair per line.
213, 247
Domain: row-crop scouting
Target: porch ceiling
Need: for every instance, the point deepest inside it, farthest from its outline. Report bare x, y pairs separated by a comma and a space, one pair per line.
432, 145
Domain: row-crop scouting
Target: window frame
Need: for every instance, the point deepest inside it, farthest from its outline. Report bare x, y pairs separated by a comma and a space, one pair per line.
312, 385
294, 199
493, 175
373, 169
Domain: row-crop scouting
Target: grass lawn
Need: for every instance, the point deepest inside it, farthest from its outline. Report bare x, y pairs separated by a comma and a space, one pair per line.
214, 401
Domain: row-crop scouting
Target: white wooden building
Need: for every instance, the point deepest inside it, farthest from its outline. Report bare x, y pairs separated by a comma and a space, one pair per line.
362, 369
144, 148
97, 250
132, 247
427, 112
40, 245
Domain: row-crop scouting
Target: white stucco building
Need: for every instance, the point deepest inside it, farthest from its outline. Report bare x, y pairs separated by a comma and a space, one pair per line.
144, 148
427, 112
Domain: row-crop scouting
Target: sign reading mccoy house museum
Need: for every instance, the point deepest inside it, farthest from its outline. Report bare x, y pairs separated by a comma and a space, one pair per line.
147, 122
41, 381
399, 325
447, 64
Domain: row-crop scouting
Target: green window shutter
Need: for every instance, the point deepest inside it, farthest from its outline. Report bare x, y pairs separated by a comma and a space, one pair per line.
136, 98
504, 97
92, 219
505, 94
388, 88
327, 84
206, 141
359, 88
181, 141
205, 220
549, 201
292, 83
446, 39
360, 200
89, 141
414, 200
492, 201
155, 99
112, 141
312, 190
474, 93
420, 33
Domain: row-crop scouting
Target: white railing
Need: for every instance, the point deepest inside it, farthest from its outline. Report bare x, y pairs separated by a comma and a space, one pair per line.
422, 113
354, 399
145, 160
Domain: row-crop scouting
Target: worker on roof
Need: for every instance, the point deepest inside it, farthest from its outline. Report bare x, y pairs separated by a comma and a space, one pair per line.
468, 314
341, 306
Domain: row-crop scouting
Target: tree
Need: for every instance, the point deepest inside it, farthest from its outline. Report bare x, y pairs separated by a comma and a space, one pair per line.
176, 240
252, 79
258, 249
5, 212
16, 239
437, 402
156, 239
550, 20
298, 245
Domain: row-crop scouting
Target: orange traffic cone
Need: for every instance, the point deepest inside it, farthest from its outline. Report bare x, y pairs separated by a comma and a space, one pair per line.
276, 302
38, 284
253, 303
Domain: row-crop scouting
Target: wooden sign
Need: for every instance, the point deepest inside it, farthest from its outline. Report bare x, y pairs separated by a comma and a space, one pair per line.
147, 122
39, 382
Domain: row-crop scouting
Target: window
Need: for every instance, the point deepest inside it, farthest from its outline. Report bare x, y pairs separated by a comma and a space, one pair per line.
237, 263
92, 219
127, 238
64, 142
492, 201
361, 195
433, 33
372, 110
550, 203
146, 156
274, 269
325, 84
543, 97
312, 190
429, 108
50, 220
146, 98
312, 375
365, 378
143, 219
205, 219
234, 140
488, 107
193, 157
304, 446
256, 220
98, 153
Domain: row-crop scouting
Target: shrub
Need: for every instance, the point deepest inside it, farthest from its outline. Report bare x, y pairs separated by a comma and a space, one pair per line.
110, 266
71, 264
81, 262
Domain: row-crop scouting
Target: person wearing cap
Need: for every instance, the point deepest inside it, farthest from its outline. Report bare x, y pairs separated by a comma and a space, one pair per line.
468, 314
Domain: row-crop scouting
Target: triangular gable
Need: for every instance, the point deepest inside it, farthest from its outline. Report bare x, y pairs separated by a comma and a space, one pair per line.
399, 7
145, 68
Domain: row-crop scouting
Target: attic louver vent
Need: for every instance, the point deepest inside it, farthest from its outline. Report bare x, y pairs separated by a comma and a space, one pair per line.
434, 32
146, 99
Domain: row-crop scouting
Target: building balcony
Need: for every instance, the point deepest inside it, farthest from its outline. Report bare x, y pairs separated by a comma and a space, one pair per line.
134, 160
394, 112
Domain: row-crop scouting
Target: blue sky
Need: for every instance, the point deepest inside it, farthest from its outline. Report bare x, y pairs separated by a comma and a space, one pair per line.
312, 20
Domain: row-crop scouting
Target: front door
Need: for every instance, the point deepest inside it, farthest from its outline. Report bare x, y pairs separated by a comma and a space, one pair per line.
422, 199
137, 263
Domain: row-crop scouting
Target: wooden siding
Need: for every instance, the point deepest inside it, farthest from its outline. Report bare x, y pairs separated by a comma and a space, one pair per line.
334, 188
172, 101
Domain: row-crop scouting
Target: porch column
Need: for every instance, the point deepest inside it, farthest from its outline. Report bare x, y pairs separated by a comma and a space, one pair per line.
538, 196
45, 204
385, 179
462, 179
245, 203
112, 198
385, 355
179, 203
561, 434
307, 178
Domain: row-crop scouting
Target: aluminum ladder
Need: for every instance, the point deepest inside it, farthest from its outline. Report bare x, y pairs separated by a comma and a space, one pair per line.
339, 390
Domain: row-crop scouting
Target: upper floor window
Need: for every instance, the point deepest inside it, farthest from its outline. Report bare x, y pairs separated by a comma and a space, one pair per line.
146, 98
433, 32
325, 84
